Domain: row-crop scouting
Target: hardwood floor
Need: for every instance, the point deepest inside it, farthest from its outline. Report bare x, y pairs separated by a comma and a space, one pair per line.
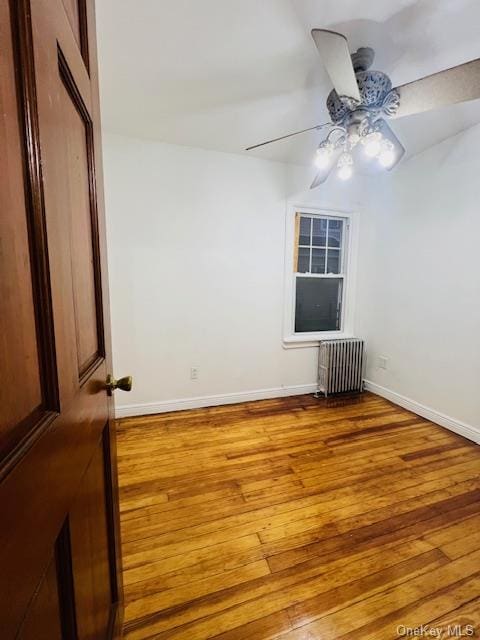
298, 519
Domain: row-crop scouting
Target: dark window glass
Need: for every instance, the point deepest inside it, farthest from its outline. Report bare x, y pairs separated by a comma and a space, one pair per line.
303, 260
333, 261
317, 304
304, 236
318, 260
335, 229
319, 233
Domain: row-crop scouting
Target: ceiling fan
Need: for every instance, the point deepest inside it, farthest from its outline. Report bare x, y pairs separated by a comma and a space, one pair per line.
363, 99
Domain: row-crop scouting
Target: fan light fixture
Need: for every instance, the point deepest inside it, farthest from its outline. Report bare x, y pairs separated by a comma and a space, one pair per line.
362, 99
324, 155
342, 140
386, 156
345, 166
372, 144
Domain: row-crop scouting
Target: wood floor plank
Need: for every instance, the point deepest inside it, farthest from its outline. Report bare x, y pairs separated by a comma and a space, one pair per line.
372, 534
224, 554
447, 603
428, 595
454, 532
275, 602
366, 513
466, 617
296, 518
461, 546
257, 598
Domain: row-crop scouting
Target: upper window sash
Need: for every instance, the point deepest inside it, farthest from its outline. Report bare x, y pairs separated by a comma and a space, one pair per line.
319, 245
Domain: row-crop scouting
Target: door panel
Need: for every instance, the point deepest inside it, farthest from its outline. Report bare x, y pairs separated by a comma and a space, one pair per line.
59, 531
76, 13
37, 496
73, 14
74, 161
66, 143
89, 539
43, 619
21, 392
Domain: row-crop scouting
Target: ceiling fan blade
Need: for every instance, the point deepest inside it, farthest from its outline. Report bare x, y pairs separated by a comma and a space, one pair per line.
333, 49
289, 135
458, 84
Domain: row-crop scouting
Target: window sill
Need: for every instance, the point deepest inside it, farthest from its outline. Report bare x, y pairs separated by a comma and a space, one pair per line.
313, 339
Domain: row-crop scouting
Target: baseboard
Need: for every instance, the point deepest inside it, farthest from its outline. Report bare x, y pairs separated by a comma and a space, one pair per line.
148, 408
164, 406
463, 429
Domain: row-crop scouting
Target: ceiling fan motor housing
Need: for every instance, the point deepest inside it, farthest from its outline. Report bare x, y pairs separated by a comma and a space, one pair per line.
375, 87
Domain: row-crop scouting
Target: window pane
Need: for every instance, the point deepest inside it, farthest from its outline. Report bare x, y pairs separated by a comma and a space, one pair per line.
319, 238
318, 304
303, 260
318, 260
304, 237
335, 229
333, 261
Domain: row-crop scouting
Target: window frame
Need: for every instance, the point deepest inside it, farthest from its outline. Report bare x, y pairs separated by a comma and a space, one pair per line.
349, 259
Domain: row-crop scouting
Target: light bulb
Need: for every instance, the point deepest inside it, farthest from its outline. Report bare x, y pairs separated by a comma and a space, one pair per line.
353, 140
345, 166
345, 172
387, 154
323, 157
386, 158
372, 144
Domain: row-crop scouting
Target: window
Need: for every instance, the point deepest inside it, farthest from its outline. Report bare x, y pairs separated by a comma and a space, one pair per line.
317, 287
319, 273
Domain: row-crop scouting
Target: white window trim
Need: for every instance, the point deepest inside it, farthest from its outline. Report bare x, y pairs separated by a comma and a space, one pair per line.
310, 339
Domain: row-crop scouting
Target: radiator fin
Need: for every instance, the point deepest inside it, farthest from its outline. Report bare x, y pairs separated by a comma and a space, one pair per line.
340, 365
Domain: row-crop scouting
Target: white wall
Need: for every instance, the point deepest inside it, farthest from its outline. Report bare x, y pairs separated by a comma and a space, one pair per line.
196, 253
419, 279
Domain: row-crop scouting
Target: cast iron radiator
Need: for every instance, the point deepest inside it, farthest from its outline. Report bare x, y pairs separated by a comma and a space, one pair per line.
340, 366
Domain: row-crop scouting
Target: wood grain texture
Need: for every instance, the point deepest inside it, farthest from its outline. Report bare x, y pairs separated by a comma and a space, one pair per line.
59, 549
43, 619
298, 519
77, 171
76, 11
21, 393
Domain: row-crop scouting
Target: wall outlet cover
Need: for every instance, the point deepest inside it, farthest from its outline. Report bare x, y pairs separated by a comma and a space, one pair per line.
194, 373
382, 362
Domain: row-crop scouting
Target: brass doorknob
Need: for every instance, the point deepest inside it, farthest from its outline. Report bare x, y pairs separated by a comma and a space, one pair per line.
125, 384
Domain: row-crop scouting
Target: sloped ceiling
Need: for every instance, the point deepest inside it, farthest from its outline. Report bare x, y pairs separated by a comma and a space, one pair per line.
226, 74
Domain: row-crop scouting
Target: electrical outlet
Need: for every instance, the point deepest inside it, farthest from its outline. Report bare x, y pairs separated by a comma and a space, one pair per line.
194, 373
382, 362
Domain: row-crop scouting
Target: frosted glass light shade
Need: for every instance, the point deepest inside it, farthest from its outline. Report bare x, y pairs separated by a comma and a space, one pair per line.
372, 144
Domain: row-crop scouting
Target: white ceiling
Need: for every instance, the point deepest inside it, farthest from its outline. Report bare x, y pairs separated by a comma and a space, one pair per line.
226, 74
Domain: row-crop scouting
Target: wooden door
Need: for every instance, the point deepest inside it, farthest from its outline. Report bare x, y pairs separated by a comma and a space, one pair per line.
59, 540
